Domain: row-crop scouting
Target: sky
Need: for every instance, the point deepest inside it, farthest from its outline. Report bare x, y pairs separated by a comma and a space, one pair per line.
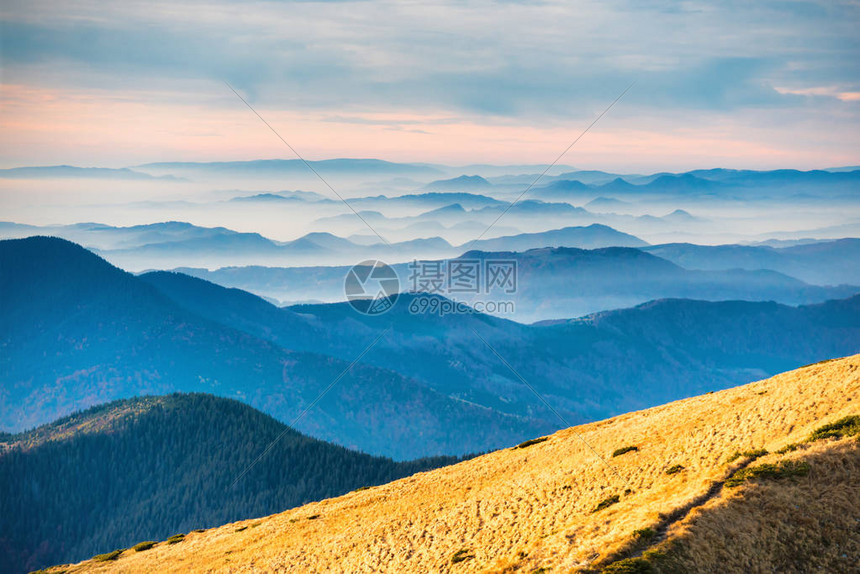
759, 85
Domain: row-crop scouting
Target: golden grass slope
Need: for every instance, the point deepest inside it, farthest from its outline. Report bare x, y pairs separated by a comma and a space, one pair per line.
532, 508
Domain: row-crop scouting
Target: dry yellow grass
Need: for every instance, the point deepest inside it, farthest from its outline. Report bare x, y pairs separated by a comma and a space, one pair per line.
518, 510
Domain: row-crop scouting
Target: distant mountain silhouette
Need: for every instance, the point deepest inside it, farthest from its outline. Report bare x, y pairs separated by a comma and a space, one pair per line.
821, 263
263, 167
285, 197
534, 208
591, 177
560, 190
172, 244
590, 237
605, 203
575, 282
432, 200
680, 184
777, 177
462, 183
73, 172
617, 185
568, 282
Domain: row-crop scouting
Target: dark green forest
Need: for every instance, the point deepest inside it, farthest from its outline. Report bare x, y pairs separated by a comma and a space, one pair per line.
160, 466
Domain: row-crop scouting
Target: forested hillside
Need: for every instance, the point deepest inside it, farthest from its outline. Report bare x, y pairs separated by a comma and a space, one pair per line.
148, 468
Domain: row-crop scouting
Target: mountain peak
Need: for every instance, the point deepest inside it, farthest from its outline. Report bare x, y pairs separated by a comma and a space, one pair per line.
463, 182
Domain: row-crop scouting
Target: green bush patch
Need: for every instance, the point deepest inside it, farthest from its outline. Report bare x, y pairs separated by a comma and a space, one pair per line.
606, 503
531, 442
624, 450
176, 538
784, 469
644, 533
788, 448
108, 557
141, 546
674, 469
461, 555
846, 426
753, 454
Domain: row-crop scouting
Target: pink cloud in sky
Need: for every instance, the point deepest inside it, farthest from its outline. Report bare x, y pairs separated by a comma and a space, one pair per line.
115, 128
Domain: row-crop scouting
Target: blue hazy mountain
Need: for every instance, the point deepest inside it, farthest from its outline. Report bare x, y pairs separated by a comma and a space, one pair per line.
147, 468
170, 244
432, 200
778, 176
73, 172
683, 183
833, 182
562, 190
532, 208
555, 282
594, 177
105, 237
820, 262
77, 331
588, 237
777, 184
618, 186
637, 357
461, 183
284, 197
568, 282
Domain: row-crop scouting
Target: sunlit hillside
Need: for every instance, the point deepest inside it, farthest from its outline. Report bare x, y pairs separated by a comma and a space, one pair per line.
694, 492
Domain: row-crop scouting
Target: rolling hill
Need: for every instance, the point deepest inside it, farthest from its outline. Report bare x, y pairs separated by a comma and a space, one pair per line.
758, 478
149, 467
590, 368
76, 331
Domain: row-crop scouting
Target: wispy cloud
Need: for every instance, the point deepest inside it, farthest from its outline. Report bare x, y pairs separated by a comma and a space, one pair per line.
837, 92
498, 65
